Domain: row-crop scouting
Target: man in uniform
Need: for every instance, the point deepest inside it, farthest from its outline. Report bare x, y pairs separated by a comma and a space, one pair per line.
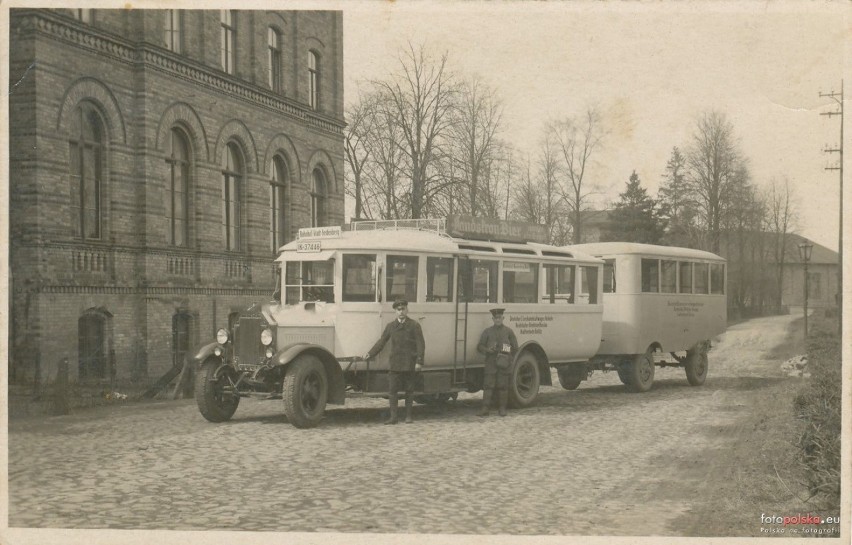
497, 342
406, 357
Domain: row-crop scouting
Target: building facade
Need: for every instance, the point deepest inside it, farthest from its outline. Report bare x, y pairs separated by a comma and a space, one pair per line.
158, 158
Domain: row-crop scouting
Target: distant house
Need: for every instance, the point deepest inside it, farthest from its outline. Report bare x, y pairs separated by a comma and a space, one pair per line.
822, 273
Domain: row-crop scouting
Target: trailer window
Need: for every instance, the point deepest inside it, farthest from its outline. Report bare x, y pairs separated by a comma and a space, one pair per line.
609, 276
650, 276
401, 278
559, 283
520, 282
685, 277
359, 277
439, 279
717, 278
478, 281
701, 278
668, 276
588, 285
309, 281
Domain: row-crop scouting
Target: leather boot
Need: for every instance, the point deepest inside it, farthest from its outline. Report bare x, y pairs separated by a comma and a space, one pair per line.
504, 400
408, 403
486, 403
392, 419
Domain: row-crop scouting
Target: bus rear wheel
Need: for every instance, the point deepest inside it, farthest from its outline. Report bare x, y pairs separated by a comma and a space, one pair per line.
641, 373
696, 365
214, 402
305, 391
524, 381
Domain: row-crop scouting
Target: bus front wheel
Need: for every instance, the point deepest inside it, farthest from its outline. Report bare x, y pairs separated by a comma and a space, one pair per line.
524, 381
305, 391
214, 395
641, 373
696, 365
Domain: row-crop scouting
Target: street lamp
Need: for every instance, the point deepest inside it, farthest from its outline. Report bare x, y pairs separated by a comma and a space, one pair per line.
805, 249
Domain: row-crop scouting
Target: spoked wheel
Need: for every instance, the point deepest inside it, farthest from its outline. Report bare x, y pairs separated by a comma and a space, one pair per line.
214, 393
696, 364
641, 373
305, 391
524, 381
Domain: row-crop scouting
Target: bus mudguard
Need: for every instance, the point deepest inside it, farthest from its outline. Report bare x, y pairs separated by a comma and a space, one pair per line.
205, 352
336, 384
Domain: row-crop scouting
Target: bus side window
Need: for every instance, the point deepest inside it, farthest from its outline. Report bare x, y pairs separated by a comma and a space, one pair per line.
439, 279
588, 285
559, 284
520, 282
609, 276
359, 277
480, 286
650, 276
668, 276
701, 280
401, 278
717, 278
685, 277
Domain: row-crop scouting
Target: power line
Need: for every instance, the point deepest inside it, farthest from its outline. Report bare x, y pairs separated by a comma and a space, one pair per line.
838, 98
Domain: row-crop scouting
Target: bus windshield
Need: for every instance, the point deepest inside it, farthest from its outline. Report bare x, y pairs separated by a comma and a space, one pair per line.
309, 281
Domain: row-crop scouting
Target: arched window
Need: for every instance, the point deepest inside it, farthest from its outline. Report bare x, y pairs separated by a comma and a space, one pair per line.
277, 203
274, 59
181, 323
227, 39
319, 192
177, 189
313, 79
92, 345
232, 181
86, 165
173, 28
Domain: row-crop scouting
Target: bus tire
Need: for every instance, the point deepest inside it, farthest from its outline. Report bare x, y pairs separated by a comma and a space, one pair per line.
569, 379
641, 373
213, 403
524, 381
623, 370
305, 391
696, 365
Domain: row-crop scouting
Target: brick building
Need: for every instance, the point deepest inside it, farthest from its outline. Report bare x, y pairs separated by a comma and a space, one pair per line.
157, 160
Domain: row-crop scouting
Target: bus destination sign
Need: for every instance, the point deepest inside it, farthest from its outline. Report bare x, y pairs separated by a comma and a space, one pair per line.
331, 231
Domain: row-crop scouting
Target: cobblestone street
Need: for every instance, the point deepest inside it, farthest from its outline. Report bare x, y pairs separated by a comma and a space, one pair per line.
584, 462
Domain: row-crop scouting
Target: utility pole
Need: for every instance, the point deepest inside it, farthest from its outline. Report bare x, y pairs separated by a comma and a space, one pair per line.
838, 98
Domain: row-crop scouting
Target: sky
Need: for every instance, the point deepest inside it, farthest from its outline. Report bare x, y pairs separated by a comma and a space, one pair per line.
652, 69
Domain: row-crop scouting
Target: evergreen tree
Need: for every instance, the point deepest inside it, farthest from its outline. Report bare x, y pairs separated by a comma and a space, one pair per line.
677, 204
635, 217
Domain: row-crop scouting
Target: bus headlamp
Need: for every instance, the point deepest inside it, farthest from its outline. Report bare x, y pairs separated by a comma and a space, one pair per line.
266, 337
222, 336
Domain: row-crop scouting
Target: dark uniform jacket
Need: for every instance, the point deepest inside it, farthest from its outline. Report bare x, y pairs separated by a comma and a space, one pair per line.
492, 339
407, 344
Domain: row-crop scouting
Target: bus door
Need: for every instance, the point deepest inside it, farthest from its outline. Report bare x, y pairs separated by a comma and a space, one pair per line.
463, 291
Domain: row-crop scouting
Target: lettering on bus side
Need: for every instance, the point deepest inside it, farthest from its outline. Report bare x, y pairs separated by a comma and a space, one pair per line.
685, 309
529, 324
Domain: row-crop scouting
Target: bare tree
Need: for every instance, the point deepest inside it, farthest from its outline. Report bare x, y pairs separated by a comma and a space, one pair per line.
782, 219
575, 143
419, 100
714, 161
357, 143
473, 132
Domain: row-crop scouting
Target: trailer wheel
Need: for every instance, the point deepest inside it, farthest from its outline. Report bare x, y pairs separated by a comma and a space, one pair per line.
569, 378
696, 365
524, 381
641, 373
213, 402
623, 370
305, 391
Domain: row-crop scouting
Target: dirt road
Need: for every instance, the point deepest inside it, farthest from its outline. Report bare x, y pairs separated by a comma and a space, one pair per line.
595, 461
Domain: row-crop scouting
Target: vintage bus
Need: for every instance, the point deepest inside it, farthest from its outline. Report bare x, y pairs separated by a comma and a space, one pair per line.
662, 307
336, 293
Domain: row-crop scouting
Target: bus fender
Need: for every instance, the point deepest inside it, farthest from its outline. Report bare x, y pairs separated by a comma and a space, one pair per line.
541, 356
204, 352
336, 384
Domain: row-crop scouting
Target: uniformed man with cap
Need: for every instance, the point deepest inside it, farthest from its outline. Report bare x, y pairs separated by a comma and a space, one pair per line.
406, 357
499, 345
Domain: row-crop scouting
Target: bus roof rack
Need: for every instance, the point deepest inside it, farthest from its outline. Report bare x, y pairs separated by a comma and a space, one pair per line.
436, 225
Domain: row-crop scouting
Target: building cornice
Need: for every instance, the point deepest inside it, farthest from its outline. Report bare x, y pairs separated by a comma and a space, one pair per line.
88, 37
